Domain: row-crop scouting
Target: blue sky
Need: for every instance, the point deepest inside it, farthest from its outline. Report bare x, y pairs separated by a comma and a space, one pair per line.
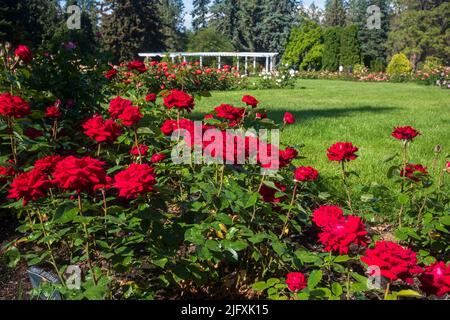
188, 9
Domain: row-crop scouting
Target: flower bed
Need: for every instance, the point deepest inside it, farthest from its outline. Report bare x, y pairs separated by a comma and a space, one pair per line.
97, 190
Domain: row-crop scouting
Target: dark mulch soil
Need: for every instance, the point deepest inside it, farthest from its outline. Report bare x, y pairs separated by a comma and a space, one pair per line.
14, 283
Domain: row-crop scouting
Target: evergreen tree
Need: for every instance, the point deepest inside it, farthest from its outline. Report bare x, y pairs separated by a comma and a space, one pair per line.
334, 13
332, 46
373, 41
420, 29
171, 15
130, 27
350, 52
225, 19
8, 17
200, 14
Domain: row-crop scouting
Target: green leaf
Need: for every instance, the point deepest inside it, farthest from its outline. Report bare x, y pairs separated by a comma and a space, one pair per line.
161, 262
314, 279
251, 201
12, 257
408, 293
260, 286
336, 288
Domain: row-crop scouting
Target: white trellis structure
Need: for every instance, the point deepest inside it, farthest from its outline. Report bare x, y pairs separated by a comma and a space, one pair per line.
270, 58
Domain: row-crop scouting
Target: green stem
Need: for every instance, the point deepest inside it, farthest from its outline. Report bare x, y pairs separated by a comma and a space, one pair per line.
288, 216
87, 247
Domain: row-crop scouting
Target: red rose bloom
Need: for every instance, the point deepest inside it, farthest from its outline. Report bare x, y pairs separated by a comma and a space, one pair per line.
102, 131
48, 164
288, 118
286, 156
306, 174
31, 185
151, 97
79, 174
13, 106
261, 116
24, 53
229, 113
180, 100
269, 193
447, 167
158, 157
250, 101
53, 112
117, 106
405, 133
296, 281
342, 151
394, 261
111, 74
33, 133
138, 179
327, 215
130, 116
169, 126
414, 171
143, 149
340, 235
7, 171
137, 65
436, 279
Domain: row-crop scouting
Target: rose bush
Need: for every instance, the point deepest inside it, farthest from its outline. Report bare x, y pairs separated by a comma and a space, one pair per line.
98, 190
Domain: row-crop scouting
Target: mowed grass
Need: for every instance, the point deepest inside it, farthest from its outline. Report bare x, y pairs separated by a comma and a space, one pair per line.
365, 114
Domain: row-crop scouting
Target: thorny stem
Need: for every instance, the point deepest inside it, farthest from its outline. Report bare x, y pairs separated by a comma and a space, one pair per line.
12, 139
386, 293
347, 188
288, 216
222, 172
87, 248
50, 250
259, 189
136, 142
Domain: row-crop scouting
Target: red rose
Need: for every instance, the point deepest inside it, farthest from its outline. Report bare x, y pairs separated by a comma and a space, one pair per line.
288, 118
414, 171
79, 174
261, 116
48, 164
169, 126
180, 100
229, 113
447, 167
137, 65
13, 106
105, 186
117, 106
143, 150
53, 112
138, 179
250, 101
111, 74
208, 116
7, 171
31, 185
158, 157
33, 133
102, 131
24, 53
405, 133
436, 279
269, 193
296, 281
342, 151
151, 97
130, 116
327, 215
286, 156
394, 261
306, 174
340, 235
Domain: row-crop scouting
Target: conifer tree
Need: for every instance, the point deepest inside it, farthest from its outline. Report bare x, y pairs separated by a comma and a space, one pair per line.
200, 14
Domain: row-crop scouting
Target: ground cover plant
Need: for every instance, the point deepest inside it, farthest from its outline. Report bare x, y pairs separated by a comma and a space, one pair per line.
92, 183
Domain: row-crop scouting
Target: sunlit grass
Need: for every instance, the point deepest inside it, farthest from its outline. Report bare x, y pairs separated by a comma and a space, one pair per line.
363, 113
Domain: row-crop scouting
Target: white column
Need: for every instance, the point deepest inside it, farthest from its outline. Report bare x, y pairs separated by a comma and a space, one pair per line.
246, 65
238, 65
271, 64
219, 62
201, 61
267, 64
254, 65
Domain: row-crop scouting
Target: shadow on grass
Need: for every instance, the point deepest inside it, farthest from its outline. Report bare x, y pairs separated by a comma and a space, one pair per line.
312, 114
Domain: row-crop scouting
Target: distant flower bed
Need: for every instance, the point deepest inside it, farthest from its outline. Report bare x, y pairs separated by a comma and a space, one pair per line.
439, 76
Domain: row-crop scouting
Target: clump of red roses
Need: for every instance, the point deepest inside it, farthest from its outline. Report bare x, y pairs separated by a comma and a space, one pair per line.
13, 106
394, 261
100, 130
342, 151
180, 100
407, 133
296, 281
138, 179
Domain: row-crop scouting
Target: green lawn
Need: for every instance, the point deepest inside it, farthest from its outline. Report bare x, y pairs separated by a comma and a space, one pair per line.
363, 113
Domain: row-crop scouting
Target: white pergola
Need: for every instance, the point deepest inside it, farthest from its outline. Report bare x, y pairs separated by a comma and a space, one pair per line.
270, 57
